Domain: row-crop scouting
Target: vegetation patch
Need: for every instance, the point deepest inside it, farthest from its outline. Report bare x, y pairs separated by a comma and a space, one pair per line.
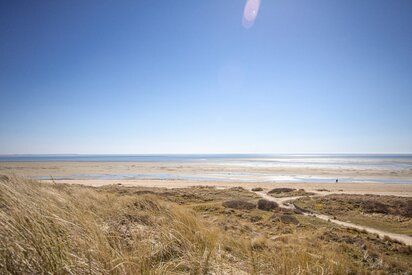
388, 213
73, 229
239, 204
281, 190
266, 205
288, 192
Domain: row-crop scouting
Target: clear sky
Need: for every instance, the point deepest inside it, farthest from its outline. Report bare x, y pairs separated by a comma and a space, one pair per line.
191, 77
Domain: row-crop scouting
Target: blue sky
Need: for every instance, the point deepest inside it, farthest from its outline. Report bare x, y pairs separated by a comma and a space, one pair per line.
144, 77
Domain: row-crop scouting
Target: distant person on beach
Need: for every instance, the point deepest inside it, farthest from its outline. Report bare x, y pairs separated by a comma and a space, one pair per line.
337, 180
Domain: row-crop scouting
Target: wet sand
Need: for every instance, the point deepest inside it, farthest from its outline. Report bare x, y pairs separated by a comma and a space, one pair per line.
65, 168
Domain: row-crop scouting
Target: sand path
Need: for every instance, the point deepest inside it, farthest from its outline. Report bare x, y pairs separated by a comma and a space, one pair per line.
288, 203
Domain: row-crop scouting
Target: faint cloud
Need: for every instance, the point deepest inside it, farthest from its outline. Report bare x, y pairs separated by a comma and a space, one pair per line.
250, 13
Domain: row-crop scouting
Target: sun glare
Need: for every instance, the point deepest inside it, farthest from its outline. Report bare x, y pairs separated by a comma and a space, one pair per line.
250, 13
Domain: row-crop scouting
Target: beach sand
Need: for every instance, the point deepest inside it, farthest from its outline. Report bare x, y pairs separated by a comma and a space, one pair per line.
67, 169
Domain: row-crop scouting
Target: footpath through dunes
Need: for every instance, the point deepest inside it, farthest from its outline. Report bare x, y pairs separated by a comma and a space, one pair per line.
287, 202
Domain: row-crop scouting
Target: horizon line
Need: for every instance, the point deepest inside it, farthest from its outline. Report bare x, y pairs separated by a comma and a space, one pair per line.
185, 154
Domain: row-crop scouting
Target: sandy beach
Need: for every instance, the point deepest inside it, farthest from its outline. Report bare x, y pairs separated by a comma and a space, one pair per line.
186, 174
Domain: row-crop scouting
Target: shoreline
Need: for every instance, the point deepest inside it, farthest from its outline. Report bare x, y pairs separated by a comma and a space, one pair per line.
190, 174
67, 168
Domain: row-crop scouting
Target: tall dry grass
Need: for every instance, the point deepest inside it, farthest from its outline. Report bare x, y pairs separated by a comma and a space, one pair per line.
59, 229
62, 229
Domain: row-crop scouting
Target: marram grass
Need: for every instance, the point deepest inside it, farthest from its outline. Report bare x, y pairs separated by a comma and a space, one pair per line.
63, 229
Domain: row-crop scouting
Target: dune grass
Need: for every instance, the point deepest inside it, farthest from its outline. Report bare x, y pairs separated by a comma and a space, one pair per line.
69, 229
387, 213
58, 229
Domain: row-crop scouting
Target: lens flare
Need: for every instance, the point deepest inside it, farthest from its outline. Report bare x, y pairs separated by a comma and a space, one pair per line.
250, 12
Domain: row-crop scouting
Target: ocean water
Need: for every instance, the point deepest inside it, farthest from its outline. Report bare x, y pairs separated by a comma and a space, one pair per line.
389, 162
128, 158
